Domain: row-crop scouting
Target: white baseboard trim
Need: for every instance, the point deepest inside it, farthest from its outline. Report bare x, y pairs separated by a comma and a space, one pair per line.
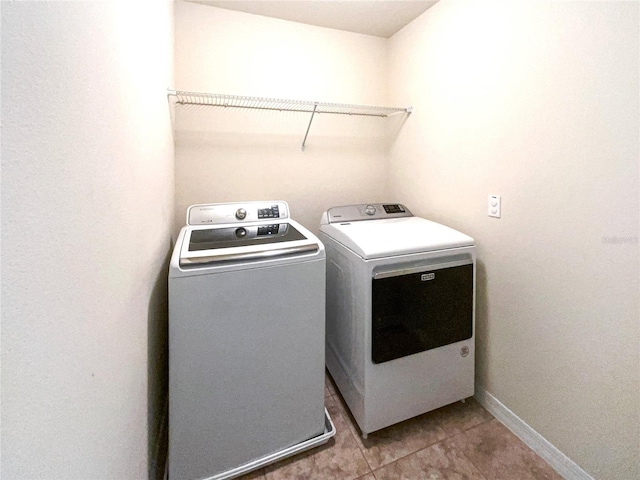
536, 442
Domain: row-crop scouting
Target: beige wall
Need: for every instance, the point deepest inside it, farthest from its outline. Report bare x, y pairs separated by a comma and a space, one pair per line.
537, 102
534, 101
87, 205
231, 155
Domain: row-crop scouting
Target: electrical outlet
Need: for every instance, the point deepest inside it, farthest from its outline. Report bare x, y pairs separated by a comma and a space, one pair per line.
494, 206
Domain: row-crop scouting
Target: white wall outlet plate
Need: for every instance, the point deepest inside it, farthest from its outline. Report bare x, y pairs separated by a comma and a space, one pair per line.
494, 206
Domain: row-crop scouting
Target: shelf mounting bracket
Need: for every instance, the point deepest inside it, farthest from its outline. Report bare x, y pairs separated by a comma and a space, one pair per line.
315, 106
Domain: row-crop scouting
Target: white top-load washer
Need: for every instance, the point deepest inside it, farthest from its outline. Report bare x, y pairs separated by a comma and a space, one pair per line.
246, 341
400, 312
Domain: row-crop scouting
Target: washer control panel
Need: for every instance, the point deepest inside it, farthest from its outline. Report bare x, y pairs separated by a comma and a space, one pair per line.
367, 211
230, 213
270, 212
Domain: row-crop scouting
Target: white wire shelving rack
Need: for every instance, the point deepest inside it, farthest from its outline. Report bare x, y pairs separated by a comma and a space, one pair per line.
281, 105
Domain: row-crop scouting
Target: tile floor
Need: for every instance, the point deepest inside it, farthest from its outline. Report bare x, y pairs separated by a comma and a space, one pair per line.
459, 441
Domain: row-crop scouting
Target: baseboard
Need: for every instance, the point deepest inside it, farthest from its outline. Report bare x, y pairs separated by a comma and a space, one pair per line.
536, 442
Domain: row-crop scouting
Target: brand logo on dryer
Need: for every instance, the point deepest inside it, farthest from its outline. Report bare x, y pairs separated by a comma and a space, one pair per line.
427, 276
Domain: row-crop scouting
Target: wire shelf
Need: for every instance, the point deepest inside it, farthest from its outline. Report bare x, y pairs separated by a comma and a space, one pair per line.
281, 105
262, 103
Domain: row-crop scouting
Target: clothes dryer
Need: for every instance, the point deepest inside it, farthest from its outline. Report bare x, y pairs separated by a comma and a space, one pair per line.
400, 312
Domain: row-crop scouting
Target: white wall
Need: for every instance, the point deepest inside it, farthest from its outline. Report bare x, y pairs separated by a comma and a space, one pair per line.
87, 205
537, 102
231, 155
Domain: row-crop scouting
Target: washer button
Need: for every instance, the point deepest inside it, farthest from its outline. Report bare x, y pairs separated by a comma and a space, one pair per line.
241, 214
370, 210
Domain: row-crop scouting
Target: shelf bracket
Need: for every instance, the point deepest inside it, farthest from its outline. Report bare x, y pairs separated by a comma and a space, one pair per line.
315, 106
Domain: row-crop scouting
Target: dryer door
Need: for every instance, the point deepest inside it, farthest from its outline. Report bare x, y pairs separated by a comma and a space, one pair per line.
420, 309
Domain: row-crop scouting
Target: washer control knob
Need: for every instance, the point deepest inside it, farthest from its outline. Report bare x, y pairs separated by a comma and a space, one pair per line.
370, 210
241, 232
241, 214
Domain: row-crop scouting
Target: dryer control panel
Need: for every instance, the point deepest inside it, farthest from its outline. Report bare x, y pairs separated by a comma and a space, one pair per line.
366, 211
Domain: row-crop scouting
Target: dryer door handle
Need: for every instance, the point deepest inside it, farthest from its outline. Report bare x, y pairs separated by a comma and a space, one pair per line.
423, 268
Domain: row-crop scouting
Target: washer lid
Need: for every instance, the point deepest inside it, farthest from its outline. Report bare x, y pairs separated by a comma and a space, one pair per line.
246, 242
395, 236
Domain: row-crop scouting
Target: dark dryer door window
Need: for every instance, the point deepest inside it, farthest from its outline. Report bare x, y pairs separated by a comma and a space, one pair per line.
419, 311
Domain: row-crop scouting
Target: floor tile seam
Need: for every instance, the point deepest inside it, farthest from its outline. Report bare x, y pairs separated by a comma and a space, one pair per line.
394, 461
468, 428
365, 457
404, 456
461, 452
371, 468
448, 436
360, 446
364, 475
347, 422
459, 448
409, 454
480, 423
524, 449
339, 401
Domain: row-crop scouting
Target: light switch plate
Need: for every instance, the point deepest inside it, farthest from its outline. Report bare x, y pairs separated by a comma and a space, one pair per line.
494, 206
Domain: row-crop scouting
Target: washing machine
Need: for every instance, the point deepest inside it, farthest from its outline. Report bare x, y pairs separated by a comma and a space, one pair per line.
400, 312
246, 341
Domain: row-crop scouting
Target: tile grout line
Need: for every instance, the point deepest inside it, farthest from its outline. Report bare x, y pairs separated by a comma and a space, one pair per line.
353, 435
397, 459
544, 449
429, 446
459, 432
347, 422
409, 454
448, 437
464, 455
